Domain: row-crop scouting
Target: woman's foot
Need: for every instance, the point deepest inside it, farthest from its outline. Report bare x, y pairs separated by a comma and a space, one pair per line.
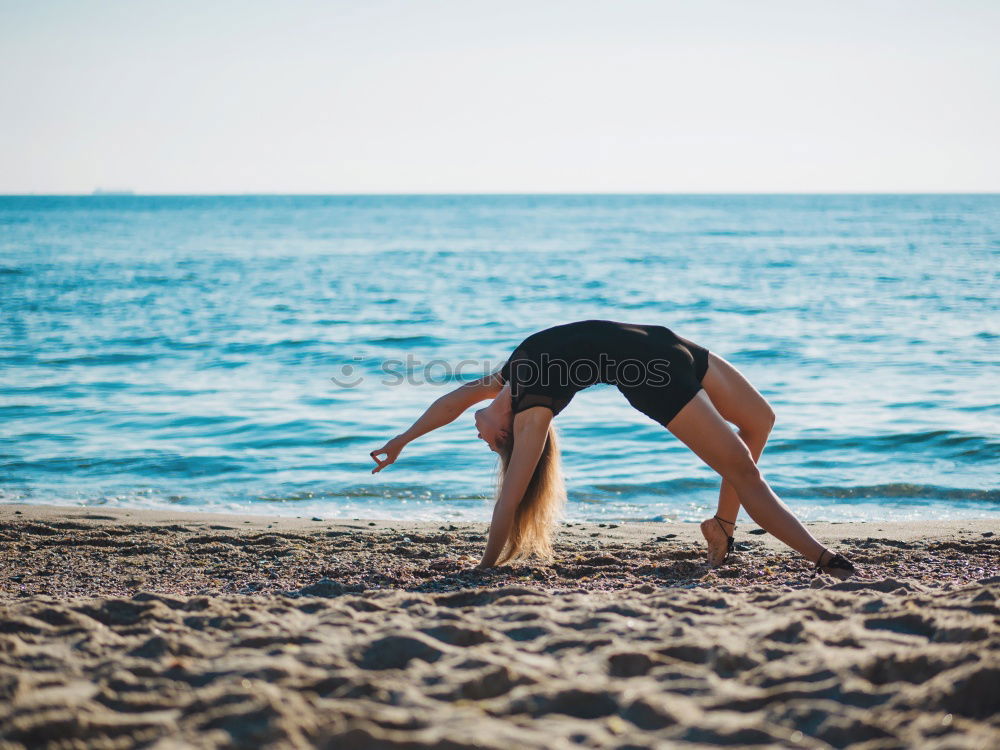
720, 540
835, 565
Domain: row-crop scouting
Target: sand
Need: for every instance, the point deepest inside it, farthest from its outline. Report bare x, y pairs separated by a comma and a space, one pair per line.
123, 629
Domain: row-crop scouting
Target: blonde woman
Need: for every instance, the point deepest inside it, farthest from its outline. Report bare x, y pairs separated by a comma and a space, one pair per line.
679, 384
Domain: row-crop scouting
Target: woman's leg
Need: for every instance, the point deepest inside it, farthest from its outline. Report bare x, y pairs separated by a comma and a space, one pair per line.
738, 402
702, 429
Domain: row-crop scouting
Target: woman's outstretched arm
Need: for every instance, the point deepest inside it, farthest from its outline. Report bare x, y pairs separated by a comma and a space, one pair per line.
444, 410
531, 427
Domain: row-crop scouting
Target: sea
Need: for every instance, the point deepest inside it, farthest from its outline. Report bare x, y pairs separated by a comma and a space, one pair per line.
246, 353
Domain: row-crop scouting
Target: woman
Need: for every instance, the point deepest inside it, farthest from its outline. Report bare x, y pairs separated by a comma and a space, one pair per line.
683, 386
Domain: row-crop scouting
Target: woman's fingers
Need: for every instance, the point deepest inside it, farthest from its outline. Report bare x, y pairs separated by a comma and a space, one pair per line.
391, 452
382, 463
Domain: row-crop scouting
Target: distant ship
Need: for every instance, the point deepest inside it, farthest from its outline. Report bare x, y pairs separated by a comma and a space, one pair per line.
103, 191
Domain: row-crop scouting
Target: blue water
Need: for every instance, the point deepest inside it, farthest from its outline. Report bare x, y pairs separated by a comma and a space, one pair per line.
181, 351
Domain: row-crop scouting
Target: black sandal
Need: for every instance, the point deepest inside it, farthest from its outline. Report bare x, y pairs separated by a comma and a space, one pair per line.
837, 566
730, 541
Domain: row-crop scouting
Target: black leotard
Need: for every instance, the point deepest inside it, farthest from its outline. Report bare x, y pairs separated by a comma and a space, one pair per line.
657, 370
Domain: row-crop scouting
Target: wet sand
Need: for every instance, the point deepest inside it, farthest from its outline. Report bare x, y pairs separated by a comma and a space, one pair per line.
125, 629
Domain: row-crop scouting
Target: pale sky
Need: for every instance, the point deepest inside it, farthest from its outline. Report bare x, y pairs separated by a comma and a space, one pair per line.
369, 96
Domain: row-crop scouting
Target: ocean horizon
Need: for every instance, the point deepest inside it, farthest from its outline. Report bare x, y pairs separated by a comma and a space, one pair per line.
129, 193
244, 353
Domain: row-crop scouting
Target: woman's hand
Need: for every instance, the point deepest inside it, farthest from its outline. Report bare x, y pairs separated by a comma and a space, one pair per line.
391, 452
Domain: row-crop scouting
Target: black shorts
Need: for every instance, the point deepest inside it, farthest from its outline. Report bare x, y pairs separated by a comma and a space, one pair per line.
658, 371
689, 365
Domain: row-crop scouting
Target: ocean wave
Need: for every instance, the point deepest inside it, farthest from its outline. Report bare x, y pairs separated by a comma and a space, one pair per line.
666, 488
943, 443
255, 347
765, 354
898, 491
414, 340
401, 491
901, 490
165, 465
111, 358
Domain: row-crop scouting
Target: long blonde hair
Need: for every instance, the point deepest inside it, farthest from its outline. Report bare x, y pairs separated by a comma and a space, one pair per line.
543, 500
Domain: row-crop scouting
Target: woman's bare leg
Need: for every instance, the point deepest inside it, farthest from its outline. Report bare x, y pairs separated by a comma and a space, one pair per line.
738, 402
702, 429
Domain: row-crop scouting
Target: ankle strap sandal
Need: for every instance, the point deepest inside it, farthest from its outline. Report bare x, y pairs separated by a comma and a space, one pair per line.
730, 541
836, 565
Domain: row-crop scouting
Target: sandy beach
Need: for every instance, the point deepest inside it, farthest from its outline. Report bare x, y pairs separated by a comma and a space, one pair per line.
123, 629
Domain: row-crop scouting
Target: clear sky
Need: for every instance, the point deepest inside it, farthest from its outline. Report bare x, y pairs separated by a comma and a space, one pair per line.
243, 96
